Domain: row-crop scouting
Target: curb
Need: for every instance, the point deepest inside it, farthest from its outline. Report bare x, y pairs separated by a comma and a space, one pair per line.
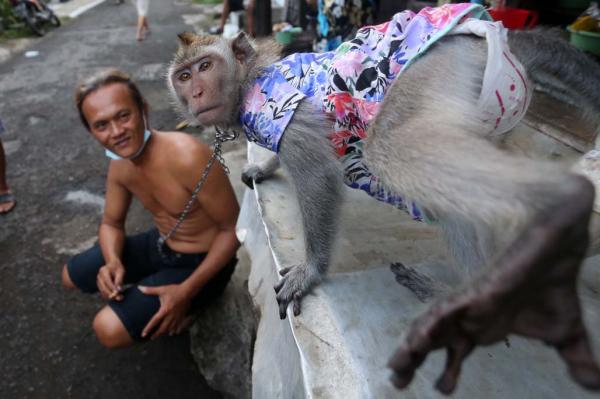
74, 8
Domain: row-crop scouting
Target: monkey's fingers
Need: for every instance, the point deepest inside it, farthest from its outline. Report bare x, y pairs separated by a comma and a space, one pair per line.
580, 360
297, 298
455, 356
283, 304
440, 326
403, 364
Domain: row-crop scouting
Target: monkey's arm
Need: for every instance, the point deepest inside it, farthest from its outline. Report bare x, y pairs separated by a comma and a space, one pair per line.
532, 291
307, 155
257, 172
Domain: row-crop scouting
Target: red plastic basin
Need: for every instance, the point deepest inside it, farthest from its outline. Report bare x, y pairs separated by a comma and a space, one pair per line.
514, 18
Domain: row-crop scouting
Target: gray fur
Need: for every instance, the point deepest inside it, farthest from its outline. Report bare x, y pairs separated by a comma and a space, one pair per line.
559, 68
256, 173
306, 154
427, 145
447, 165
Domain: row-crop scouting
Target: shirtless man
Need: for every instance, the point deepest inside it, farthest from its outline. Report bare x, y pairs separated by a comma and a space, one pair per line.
149, 291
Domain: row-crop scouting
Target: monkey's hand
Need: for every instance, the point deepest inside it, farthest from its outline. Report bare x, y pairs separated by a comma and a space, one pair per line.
252, 173
531, 291
296, 281
257, 172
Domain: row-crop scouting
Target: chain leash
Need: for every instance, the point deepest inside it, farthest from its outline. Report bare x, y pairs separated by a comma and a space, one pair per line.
220, 137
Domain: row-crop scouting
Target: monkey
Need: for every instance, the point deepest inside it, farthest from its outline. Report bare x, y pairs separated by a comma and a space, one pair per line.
517, 225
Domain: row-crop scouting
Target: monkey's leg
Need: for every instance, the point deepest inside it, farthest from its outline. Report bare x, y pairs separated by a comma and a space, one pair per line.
426, 144
307, 155
531, 291
257, 172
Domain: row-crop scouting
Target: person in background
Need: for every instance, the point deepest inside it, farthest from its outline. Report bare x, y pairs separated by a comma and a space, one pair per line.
236, 5
338, 21
7, 199
143, 29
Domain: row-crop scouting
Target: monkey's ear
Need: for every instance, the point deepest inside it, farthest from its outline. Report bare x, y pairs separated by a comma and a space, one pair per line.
242, 49
186, 38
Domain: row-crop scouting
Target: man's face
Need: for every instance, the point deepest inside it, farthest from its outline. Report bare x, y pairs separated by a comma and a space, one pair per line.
114, 119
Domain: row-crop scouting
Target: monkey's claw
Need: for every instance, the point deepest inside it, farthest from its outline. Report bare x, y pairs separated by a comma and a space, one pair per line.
295, 282
531, 291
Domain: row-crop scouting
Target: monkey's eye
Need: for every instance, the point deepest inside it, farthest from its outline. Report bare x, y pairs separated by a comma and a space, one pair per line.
204, 66
183, 76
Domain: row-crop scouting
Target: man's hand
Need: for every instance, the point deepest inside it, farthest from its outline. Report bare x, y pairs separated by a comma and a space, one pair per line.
171, 317
109, 280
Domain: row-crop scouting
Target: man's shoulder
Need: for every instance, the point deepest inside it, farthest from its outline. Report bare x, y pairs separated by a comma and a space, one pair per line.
183, 149
182, 142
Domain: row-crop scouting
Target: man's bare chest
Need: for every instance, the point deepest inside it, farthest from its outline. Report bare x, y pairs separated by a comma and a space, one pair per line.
159, 193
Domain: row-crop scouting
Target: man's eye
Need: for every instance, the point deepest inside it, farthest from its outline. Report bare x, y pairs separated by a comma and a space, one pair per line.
124, 117
183, 76
204, 66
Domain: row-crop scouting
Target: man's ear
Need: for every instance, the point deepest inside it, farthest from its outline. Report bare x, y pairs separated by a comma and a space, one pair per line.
186, 38
242, 49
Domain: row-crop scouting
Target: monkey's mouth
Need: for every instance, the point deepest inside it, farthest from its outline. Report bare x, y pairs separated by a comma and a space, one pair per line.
205, 110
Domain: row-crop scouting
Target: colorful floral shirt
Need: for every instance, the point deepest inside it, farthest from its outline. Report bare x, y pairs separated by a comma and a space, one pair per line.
350, 84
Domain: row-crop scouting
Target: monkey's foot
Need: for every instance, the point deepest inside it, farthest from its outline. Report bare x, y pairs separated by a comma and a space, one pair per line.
296, 281
531, 291
252, 173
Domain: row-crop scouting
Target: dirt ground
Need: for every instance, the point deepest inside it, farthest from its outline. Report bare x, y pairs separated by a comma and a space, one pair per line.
57, 173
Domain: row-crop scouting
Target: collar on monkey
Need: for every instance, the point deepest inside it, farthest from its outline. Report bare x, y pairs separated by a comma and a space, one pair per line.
221, 136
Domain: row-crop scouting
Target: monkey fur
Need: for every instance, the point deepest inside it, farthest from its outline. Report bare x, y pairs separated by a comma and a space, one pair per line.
517, 226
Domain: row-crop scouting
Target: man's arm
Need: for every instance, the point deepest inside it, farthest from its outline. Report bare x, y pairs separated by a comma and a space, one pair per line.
218, 201
112, 235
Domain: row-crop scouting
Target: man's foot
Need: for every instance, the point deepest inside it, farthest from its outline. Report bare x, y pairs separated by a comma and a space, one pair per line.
531, 291
7, 202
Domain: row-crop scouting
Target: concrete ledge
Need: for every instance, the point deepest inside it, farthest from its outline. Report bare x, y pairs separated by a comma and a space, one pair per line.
338, 347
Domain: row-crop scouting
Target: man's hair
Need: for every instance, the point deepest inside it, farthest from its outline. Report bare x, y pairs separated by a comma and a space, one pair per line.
104, 78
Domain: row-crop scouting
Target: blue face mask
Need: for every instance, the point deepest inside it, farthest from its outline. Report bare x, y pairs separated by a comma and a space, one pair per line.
114, 156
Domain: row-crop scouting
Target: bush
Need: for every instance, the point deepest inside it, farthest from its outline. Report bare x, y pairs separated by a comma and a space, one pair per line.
6, 14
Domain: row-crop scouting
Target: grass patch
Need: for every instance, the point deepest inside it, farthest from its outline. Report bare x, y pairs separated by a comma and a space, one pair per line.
16, 32
20, 30
209, 2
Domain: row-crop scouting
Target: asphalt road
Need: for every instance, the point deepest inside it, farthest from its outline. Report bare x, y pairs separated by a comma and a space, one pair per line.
47, 347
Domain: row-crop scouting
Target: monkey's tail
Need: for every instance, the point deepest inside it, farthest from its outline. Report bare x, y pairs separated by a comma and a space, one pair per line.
560, 68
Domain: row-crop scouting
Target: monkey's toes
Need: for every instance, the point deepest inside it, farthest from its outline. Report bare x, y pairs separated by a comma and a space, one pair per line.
291, 288
247, 180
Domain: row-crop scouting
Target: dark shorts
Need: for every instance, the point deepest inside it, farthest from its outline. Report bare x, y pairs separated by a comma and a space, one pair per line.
144, 266
236, 5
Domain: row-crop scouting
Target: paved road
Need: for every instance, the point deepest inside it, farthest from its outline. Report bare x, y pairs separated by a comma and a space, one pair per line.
47, 348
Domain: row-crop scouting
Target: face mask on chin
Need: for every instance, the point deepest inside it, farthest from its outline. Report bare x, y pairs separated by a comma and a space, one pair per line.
114, 156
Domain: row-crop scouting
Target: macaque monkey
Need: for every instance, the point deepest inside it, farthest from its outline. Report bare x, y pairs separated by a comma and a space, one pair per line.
518, 226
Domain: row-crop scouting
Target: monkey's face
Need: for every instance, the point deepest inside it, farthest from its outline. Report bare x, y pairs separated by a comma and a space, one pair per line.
205, 86
115, 120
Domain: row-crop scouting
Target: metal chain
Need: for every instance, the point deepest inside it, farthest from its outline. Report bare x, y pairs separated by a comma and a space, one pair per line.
220, 137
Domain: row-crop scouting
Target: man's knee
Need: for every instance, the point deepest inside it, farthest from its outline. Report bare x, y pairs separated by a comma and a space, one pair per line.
109, 329
66, 279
